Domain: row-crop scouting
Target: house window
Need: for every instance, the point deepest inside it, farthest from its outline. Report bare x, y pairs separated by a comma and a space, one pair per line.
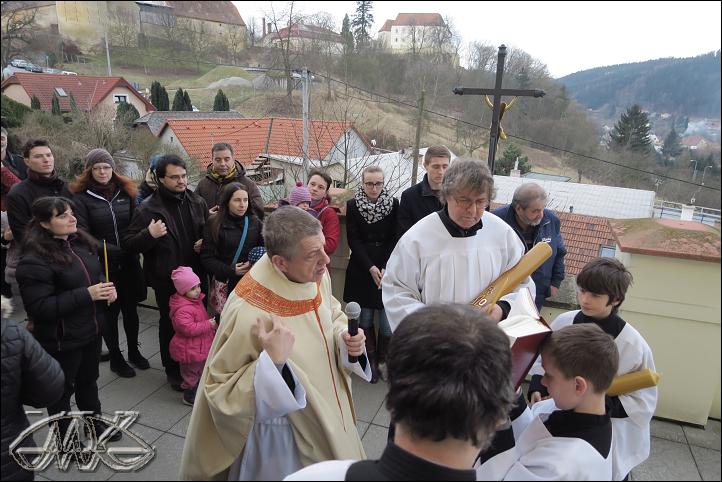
606, 251
61, 92
120, 98
338, 184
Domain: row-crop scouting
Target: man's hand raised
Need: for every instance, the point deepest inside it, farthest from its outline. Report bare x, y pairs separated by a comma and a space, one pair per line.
277, 341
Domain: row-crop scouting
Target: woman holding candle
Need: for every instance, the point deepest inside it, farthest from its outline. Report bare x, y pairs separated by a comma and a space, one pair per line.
60, 279
105, 204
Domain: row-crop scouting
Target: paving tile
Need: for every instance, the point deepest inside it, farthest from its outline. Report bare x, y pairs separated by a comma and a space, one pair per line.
667, 461
162, 409
383, 416
668, 431
362, 427
374, 441
708, 462
126, 393
181, 427
148, 338
165, 464
367, 398
708, 437
105, 375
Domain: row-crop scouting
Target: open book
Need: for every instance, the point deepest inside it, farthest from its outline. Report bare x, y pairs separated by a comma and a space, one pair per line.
526, 330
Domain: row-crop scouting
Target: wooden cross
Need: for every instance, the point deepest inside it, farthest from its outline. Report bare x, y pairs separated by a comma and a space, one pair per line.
498, 92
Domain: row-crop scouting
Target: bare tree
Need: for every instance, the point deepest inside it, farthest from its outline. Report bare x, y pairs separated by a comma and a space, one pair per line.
169, 25
252, 32
481, 56
235, 42
197, 39
18, 29
283, 43
122, 26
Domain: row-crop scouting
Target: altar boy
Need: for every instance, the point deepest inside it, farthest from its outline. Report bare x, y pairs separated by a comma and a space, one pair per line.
569, 435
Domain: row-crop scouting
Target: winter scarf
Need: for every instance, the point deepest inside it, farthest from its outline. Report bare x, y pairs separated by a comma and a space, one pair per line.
373, 212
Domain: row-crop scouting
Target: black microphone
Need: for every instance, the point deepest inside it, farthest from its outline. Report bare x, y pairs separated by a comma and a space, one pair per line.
353, 311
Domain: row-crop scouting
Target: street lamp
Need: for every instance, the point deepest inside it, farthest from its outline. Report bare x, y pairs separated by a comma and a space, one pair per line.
694, 174
704, 172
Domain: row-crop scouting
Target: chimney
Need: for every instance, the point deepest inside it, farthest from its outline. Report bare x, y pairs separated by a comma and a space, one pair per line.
687, 212
263, 21
269, 27
571, 209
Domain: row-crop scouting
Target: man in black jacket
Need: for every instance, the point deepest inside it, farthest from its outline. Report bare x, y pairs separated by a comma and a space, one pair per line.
168, 229
422, 199
224, 170
42, 180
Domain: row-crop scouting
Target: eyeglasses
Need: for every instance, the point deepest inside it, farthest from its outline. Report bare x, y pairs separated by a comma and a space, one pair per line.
102, 168
374, 185
466, 203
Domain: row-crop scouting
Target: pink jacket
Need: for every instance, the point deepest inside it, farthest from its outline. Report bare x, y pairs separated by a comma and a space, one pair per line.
193, 333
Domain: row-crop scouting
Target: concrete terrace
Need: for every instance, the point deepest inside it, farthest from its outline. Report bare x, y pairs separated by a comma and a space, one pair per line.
678, 452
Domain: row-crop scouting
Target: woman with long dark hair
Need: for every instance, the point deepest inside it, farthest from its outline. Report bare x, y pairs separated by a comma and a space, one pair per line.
224, 252
60, 279
105, 204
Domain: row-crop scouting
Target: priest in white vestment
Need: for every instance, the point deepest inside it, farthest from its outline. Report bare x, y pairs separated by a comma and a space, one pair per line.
454, 254
275, 394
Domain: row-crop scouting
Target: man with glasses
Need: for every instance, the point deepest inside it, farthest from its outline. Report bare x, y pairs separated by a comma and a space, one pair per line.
454, 254
167, 229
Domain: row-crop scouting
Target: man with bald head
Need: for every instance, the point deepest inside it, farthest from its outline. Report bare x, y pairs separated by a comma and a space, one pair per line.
534, 224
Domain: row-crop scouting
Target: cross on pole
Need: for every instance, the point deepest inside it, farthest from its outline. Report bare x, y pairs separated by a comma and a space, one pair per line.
497, 92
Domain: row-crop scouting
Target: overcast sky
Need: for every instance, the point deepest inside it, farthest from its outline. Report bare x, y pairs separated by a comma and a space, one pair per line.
566, 36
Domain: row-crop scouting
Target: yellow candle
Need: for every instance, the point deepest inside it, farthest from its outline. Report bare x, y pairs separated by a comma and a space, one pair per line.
105, 256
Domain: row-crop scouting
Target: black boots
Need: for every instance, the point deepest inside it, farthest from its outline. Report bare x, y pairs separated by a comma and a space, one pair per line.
136, 358
119, 365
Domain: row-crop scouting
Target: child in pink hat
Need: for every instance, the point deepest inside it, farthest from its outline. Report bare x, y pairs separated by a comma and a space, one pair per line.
193, 329
300, 197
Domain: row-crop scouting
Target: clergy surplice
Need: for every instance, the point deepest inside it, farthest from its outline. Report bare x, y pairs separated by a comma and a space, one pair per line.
253, 419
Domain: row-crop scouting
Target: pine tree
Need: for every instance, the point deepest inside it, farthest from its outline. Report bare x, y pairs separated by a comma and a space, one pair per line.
164, 101
220, 103
73, 104
55, 106
126, 113
178, 101
362, 22
347, 35
671, 147
187, 101
155, 95
632, 131
34, 103
505, 164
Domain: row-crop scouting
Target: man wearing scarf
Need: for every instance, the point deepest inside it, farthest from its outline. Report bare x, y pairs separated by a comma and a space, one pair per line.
42, 181
224, 170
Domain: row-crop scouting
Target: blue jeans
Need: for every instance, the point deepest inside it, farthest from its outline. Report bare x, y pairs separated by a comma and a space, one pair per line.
366, 321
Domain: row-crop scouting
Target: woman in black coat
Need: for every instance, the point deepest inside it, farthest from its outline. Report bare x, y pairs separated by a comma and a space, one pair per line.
105, 204
60, 278
222, 236
371, 233
30, 377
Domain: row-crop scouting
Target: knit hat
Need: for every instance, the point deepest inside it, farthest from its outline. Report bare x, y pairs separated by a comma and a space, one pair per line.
99, 155
184, 279
255, 254
299, 194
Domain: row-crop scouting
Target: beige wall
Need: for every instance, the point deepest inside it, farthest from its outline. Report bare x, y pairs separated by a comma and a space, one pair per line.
109, 101
84, 22
17, 93
675, 305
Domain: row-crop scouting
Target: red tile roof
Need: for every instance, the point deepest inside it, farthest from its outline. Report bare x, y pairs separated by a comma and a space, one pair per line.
668, 238
88, 91
583, 236
300, 30
249, 137
221, 12
414, 19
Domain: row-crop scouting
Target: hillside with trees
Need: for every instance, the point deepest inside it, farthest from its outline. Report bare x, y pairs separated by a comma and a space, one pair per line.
682, 87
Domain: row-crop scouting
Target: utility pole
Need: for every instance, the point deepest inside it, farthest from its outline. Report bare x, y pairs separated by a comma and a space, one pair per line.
107, 54
498, 92
306, 82
419, 121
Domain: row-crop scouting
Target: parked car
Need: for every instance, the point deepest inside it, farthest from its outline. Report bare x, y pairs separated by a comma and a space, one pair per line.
19, 63
67, 72
51, 71
33, 68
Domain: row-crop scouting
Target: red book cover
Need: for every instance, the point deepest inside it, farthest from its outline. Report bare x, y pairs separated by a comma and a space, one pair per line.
526, 330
